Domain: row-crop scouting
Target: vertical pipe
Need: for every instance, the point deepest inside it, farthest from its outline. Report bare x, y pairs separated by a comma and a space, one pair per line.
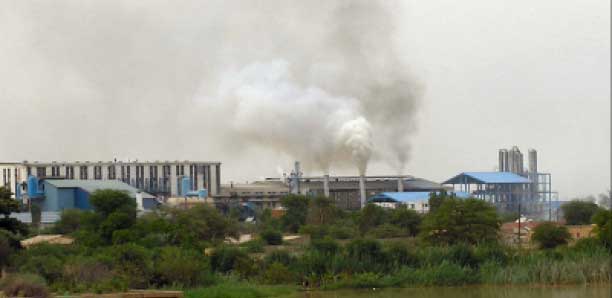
362, 190
326, 186
400, 184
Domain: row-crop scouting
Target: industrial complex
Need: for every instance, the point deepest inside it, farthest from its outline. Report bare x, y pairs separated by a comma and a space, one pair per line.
57, 186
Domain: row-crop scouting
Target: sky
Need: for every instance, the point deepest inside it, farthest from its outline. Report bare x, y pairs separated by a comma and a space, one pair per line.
258, 84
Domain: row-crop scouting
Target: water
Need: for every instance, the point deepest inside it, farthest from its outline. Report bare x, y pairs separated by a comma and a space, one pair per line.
470, 292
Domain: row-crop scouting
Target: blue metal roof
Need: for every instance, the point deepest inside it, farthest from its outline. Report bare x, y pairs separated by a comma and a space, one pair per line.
488, 178
409, 197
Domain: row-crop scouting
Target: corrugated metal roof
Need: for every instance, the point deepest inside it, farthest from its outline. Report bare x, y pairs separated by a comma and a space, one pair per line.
488, 178
93, 185
405, 197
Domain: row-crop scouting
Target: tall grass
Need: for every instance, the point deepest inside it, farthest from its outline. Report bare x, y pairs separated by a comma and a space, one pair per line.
233, 289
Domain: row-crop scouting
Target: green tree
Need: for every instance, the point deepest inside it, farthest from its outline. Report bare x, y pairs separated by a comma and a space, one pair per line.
406, 219
370, 217
436, 200
8, 205
296, 212
461, 220
603, 221
579, 212
550, 235
321, 211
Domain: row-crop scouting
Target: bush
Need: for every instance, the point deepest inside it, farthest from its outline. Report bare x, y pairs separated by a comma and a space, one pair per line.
278, 273
24, 285
83, 273
579, 212
279, 256
387, 231
314, 231
550, 235
272, 237
254, 246
131, 263
341, 232
225, 259
326, 246
182, 267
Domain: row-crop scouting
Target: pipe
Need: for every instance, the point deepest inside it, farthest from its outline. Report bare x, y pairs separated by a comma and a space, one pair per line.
362, 190
400, 185
326, 186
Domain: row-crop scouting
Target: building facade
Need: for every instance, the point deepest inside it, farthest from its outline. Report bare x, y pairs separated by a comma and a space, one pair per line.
161, 178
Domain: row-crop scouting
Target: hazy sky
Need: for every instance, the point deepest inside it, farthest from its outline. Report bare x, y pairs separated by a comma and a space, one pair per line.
94, 80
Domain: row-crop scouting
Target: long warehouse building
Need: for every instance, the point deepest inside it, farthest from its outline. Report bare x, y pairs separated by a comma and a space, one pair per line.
160, 178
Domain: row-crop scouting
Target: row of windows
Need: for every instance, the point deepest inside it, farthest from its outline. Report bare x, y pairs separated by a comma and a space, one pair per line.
112, 174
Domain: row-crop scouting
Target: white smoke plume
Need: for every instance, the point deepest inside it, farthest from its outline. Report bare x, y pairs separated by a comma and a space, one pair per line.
266, 107
320, 81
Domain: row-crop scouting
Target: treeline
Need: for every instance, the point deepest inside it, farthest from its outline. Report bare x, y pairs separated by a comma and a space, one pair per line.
455, 244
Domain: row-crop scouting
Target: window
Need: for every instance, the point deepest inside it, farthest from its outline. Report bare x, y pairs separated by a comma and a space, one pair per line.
166, 171
98, 172
41, 171
83, 172
180, 170
29, 170
69, 172
4, 177
55, 171
112, 175
126, 174
139, 176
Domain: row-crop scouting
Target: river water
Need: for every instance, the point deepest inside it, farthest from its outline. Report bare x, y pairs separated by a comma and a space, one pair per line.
469, 292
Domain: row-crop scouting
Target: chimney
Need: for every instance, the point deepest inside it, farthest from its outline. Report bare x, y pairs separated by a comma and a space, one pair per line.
400, 184
362, 190
139, 201
326, 185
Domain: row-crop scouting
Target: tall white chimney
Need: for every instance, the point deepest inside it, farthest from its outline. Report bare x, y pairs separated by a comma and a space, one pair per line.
326, 185
139, 199
362, 190
400, 184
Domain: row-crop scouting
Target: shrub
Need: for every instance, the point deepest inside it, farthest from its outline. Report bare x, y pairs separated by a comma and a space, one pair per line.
579, 212
278, 273
326, 246
131, 263
272, 237
24, 285
314, 231
550, 235
279, 256
83, 273
225, 259
399, 255
341, 232
386, 231
462, 254
182, 267
254, 246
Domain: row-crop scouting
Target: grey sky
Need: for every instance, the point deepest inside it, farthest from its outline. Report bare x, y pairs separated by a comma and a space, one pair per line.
94, 80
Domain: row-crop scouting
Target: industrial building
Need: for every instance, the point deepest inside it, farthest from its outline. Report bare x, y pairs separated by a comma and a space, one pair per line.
160, 178
348, 192
417, 201
512, 188
56, 195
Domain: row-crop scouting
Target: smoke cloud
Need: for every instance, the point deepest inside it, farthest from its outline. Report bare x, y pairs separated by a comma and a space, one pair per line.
320, 81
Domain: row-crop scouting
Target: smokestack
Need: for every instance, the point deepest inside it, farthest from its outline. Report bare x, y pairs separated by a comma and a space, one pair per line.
326, 185
362, 190
400, 184
139, 199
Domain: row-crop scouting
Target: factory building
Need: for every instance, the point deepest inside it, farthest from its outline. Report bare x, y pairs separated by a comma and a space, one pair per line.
348, 192
513, 187
160, 178
56, 195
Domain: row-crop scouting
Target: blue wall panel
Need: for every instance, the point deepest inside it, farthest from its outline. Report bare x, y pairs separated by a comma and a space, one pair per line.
82, 200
